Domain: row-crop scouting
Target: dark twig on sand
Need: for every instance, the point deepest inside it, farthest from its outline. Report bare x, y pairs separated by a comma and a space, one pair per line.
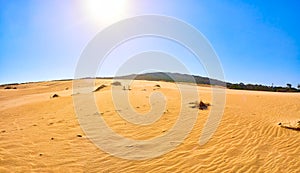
99, 88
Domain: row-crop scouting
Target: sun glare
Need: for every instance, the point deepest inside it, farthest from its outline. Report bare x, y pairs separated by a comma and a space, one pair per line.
105, 12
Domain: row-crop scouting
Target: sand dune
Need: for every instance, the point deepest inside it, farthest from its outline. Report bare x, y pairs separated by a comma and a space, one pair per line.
42, 134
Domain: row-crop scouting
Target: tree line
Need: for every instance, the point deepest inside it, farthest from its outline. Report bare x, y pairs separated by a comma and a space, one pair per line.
177, 77
257, 87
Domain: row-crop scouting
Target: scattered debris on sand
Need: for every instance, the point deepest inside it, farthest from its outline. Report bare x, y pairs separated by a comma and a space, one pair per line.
99, 88
291, 126
128, 87
194, 104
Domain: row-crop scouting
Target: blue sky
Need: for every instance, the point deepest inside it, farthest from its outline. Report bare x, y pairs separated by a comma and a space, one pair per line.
256, 41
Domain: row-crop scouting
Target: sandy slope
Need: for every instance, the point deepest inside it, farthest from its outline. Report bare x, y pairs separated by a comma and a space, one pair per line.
39, 133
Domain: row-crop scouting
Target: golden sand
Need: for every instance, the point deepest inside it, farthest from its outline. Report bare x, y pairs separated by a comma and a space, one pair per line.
42, 134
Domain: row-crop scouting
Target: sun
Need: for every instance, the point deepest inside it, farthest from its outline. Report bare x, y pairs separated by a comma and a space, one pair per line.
105, 12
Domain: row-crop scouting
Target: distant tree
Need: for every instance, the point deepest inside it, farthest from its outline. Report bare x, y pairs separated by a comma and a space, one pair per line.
289, 85
299, 86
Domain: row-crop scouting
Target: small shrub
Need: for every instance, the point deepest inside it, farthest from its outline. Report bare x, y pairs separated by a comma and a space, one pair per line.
203, 106
116, 83
10, 87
